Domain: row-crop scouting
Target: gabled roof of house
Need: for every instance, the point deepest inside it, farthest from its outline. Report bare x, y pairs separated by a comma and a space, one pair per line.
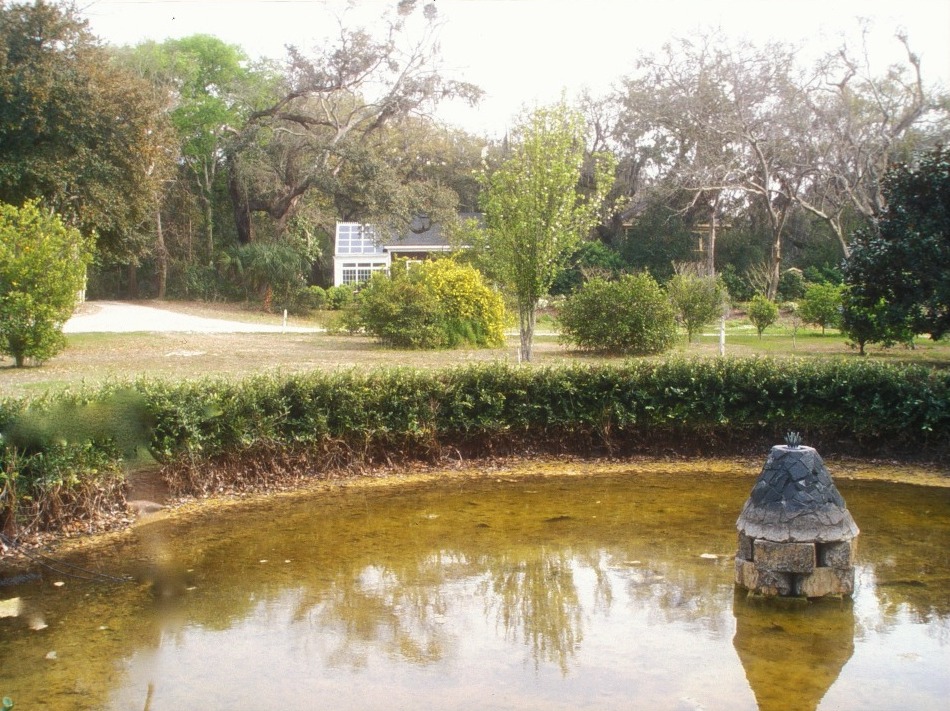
424, 233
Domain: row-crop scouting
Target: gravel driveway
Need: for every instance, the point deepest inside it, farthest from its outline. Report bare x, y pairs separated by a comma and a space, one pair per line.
117, 317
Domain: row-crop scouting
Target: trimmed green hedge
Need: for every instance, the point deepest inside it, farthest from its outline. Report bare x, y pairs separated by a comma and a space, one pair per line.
683, 405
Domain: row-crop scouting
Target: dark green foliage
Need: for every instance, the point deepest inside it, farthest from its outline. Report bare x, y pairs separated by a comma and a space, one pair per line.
791, 285
865, 324
737, 285
728, 398
904, 264
658, 238
400, 413
592, 259
273, 272
631, 315
76, 131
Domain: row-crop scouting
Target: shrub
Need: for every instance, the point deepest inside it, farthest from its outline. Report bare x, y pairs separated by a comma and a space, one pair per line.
822, 305
42, 270
762, 313
313, 298
436, 304
632, 315
791, 285
273, 272
338, 297
698, 300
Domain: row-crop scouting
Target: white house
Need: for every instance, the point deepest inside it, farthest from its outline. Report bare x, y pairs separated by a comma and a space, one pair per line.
358, 251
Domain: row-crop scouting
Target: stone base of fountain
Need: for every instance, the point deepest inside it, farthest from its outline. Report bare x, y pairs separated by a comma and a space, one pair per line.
802, 569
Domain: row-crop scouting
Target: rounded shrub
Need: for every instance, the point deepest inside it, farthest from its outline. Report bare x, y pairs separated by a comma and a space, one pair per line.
435, 304
631, 315
339, 297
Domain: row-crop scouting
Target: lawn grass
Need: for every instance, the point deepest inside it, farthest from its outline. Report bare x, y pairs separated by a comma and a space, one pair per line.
94, 358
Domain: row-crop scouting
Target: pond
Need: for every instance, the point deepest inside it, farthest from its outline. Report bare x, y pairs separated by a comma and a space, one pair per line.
595, 590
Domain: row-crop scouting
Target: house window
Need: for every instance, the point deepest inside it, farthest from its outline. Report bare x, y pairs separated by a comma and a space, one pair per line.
358, 272
353, 238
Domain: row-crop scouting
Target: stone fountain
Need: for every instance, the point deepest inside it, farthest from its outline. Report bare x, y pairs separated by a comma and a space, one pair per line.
796, 536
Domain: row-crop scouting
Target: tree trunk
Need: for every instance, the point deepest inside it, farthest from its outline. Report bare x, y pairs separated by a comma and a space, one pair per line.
775, 272
526, 318
161, 255
209, 227
711, 241
133, 281
241, 207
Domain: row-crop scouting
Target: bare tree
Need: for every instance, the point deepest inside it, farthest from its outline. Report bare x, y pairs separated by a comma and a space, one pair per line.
316, 133
860, 124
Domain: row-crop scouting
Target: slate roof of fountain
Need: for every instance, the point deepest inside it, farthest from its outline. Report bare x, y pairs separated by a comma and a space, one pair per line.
794, 499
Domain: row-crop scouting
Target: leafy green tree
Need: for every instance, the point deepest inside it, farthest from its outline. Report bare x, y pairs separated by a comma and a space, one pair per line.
697, 299
42, 270
592, 259
865, 324
903, 261
436, 304
535, 215
76, 130
631, 315
203, 81
762, 313
822, 305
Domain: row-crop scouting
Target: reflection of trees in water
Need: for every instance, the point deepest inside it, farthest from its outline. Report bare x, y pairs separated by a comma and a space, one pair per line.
901, 599
401, 607
675, 591
533, 597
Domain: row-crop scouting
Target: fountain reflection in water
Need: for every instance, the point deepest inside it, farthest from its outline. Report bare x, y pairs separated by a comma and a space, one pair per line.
819, 636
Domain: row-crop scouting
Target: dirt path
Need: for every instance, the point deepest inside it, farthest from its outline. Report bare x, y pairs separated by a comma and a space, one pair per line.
117, 317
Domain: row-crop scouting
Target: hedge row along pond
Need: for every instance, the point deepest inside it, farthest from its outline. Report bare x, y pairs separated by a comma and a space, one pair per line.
63, 454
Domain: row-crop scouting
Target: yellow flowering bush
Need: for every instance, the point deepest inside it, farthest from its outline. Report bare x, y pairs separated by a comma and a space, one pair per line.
435, 304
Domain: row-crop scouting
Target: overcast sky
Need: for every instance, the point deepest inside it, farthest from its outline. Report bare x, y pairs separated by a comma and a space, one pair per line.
525, 52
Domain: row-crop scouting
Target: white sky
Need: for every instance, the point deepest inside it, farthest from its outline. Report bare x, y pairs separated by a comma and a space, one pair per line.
526, 52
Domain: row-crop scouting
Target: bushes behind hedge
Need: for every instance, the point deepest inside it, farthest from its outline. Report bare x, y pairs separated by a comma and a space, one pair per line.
679, 405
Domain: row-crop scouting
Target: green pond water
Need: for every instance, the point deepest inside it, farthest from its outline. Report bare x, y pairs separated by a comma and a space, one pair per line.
594, 591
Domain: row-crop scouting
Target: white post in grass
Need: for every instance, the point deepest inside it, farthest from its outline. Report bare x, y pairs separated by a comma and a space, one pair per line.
722, 336
285, 320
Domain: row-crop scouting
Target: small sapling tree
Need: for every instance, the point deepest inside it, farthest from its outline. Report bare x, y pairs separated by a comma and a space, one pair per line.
535, 217
822, 305
697, 299
762, 312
